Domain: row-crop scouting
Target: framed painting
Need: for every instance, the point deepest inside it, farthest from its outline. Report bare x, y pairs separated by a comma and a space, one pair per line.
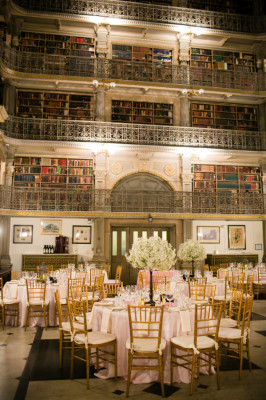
81, 234
208, 234
237, 237
51, 227
22, 234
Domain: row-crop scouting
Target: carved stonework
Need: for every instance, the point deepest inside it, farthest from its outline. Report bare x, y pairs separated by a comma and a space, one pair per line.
169, 170
187, 177
116, 168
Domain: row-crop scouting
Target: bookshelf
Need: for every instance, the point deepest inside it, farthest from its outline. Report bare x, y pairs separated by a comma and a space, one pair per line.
224, 116
46, 43
48, 172
142, 54
222, 60
232, 178
139, 112
53, 105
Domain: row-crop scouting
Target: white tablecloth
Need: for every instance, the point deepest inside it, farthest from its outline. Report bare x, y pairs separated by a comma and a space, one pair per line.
119, 326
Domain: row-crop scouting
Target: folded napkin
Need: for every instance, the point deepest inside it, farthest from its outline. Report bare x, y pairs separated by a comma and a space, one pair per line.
106, 320
185, 321
63, 291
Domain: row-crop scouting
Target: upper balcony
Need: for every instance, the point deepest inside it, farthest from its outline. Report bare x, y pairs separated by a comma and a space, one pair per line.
37, 129
131, 72
133, 13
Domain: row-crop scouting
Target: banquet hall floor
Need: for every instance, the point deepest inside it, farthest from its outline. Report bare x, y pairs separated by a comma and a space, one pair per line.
29, 370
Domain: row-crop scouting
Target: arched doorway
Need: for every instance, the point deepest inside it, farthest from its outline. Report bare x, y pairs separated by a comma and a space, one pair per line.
135, 193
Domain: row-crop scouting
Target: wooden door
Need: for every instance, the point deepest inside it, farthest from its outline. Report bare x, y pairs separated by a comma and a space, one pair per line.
122, 240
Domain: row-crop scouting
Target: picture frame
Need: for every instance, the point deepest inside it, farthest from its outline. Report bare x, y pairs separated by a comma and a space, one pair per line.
208, 234
22, 234
81, 234
51, 227
237, 237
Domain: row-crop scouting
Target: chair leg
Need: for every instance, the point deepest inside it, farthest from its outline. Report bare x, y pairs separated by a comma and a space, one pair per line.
88, 367
194, 361
161, 374
248, 354
217, 360
27, 318
72, 360
61, 349
130, 359
241, 359
171, 363
115, 353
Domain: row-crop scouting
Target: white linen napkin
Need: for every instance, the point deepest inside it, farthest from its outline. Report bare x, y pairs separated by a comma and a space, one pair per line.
13, 291
63, 291
185, 321
106, 320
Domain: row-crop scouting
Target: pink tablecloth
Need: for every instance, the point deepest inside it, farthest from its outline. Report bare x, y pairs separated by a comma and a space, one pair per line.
22, 297
120, 328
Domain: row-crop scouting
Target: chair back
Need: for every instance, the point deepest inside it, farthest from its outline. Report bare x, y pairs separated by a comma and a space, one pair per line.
247, 312
235, 305
196, 291
77, 316
98, 288
59, 308
94, 273
222, 273
143, 281
145, 326
160, 283
16, 275
118, 273
35, 290
249, 285
75, 282
210, 290
207, 321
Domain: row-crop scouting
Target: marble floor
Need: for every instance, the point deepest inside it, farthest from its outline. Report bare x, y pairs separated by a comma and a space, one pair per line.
29, 370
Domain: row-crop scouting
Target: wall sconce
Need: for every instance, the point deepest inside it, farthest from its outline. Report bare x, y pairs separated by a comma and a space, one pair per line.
193, 92
150, 219
104, 85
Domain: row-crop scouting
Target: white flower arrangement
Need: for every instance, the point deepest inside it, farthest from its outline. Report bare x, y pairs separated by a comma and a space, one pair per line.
191, 251
152, 254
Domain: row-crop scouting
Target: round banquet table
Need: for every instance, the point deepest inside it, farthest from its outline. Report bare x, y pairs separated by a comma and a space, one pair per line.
119, 326
18, 290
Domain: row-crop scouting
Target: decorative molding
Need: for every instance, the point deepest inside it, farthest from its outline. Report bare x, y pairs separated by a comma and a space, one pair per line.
169, 170
116, 168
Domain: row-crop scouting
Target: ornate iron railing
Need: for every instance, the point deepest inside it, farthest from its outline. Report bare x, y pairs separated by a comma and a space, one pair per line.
60, 65
150, 13
137, 134
44, 199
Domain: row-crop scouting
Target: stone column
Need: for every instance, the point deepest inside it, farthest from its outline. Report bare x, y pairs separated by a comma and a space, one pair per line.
98, 239
9, 168
5, 261
184, 111
100, 105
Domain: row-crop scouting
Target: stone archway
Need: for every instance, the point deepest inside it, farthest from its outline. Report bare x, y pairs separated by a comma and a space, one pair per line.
142, 192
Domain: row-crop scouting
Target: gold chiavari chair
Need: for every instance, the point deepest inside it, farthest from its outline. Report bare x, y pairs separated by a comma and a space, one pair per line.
64, 330
214, 269
145, 341
107, 268
84, 341
205, 267
196, 291
37, 306
259, 285
160, 283
16, 275
224, 265
248, 285
236, 340
143, 281
210, 290
9, 307
190, 351
234, 312
223, 273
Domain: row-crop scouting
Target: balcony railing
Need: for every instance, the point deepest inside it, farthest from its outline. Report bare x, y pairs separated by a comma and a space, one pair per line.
150, 13
60, 65
137, 134
44, 199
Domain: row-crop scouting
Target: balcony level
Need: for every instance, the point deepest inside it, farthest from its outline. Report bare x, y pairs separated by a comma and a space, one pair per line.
41, 130
35, 201
16, 63
137, 13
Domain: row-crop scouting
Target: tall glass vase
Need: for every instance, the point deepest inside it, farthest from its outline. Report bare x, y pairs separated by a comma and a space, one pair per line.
151, 302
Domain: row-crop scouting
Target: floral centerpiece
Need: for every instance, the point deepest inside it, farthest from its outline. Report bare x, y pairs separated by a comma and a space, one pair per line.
191, 251
151, 254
